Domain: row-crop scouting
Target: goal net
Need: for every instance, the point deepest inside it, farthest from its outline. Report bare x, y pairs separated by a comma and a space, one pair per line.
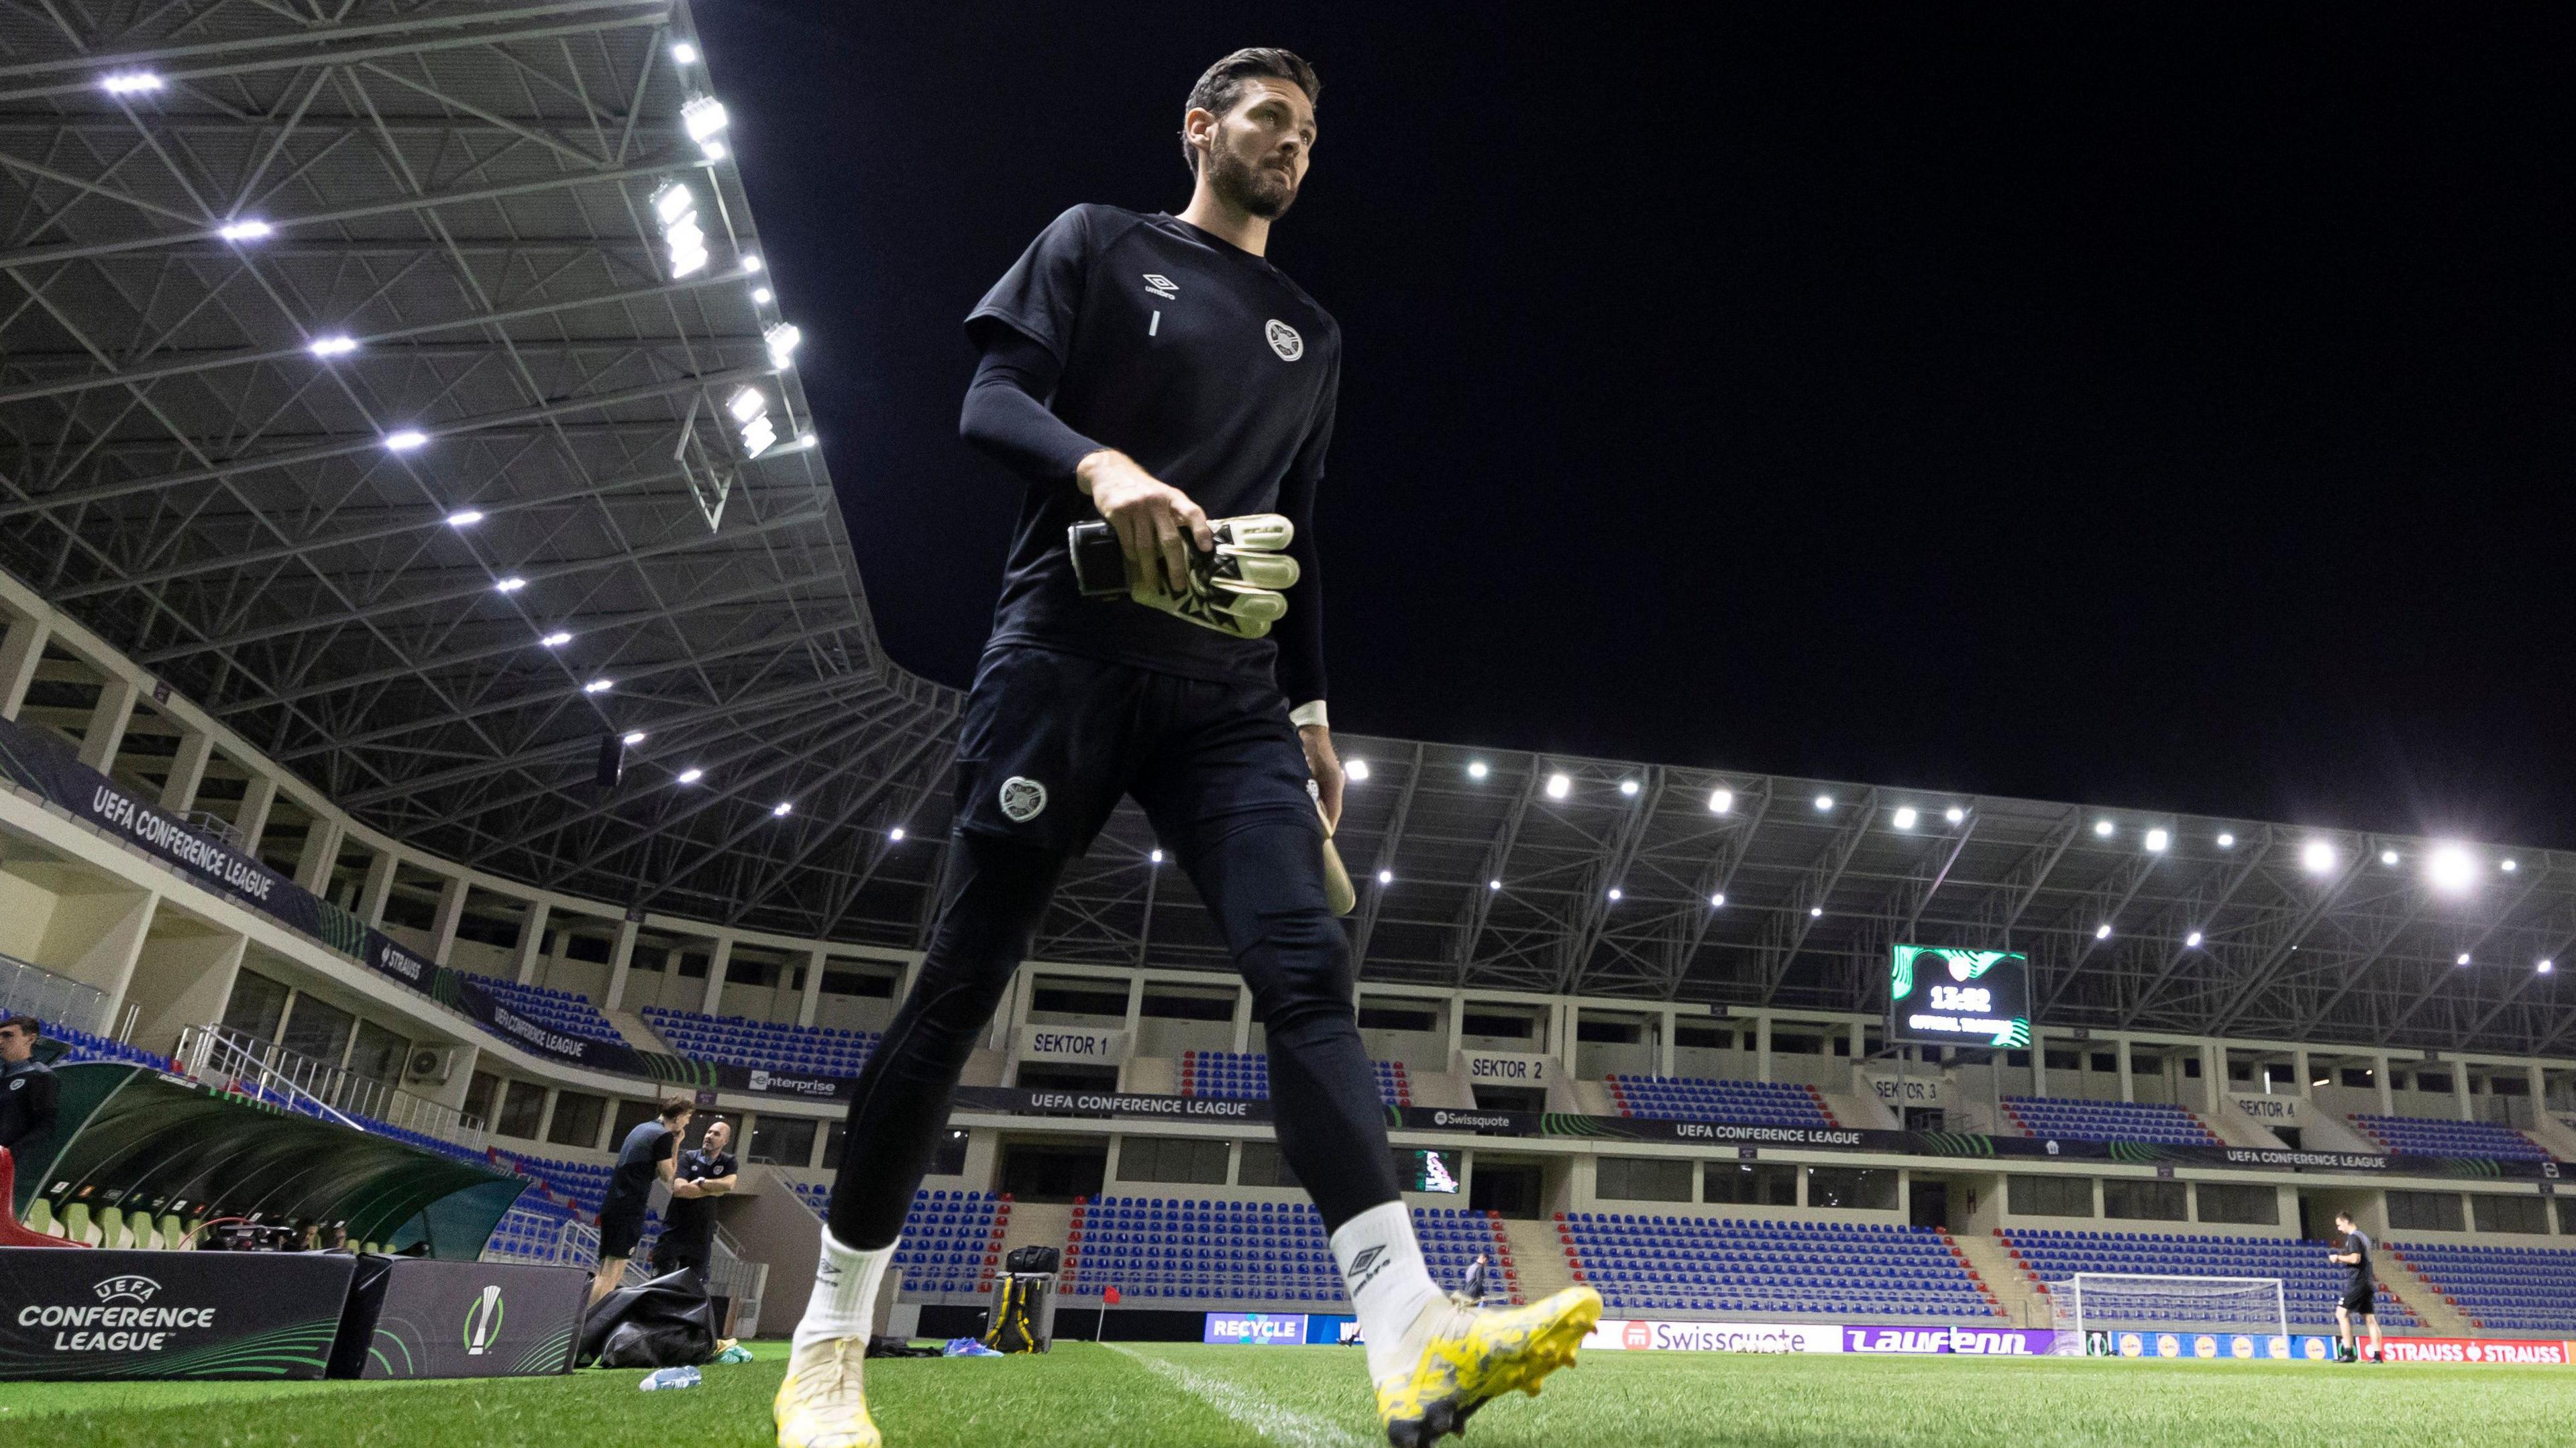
2098, 1307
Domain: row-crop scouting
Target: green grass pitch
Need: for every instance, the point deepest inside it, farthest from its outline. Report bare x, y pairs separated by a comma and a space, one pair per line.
1314, 1398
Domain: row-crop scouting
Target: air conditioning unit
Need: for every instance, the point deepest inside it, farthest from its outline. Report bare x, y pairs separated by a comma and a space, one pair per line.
430, 1064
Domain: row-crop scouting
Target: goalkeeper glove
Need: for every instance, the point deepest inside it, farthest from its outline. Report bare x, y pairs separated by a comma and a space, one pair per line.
1234, 589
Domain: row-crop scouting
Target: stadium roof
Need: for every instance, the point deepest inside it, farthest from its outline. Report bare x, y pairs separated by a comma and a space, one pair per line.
196, 194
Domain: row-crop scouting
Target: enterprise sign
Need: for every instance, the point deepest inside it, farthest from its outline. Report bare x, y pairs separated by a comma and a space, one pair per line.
1959, 997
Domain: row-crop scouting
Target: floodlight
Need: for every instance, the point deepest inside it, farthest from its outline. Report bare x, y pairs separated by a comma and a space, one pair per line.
2451, 868
632, 737
406, 439
692, 775
511, 584
2317, 857
763, 296
2388, 857
751, 261
1717, 901
1628, 787
556, 640
1720, 800
335, 345
464, 517
703, 117
2192, 941
676, 207
683, 53
1386, 877
1476, 769
599, 686
2463, 958
1157, 857
1614, 893
895, 836
782, 809
2226, 841
2157, 840
1357, 769
1493, 884
246, 230
2546, 965
1824, 802
1905, 818
1815, 912
2102, 931
2508, 865
750, 409
782, 340
1558, 786
1955, 814
2102, 828
129, 82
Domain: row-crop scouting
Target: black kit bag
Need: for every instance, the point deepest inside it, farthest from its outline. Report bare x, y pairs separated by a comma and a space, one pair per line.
1033, 1259
668, 1322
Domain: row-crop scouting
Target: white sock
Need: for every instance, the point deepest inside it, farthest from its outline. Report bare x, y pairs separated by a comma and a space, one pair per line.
1383, 1272
845, 1292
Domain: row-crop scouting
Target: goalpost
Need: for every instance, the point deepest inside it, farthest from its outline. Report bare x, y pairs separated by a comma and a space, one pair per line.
2224, 1307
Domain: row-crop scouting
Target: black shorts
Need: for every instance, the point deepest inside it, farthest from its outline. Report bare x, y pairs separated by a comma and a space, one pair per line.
2361, 1299
1051, 741
619, 1231
675, 1250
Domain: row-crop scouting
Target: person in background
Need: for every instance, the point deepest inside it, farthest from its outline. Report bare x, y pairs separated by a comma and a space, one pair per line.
651, 1150
2360, 1295
1479, 1281
28, 1093
689, 1226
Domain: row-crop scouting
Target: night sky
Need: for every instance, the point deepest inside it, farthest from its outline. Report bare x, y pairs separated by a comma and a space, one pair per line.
2147, 406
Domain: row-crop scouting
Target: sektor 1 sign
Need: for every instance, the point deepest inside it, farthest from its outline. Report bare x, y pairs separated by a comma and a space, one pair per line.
1938, 996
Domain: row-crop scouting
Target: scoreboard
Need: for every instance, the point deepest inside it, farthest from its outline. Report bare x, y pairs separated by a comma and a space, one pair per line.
1943, 997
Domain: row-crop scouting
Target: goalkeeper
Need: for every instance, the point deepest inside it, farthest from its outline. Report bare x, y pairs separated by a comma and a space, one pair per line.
1157, 374
2360, 1295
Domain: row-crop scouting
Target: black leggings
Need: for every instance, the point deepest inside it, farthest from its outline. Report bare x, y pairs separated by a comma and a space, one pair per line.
1323, 1091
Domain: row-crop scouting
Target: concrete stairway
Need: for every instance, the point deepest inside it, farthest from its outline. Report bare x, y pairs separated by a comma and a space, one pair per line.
2441, 1319
2024, 1304
1538, 1258
637, 1033
1037, 1224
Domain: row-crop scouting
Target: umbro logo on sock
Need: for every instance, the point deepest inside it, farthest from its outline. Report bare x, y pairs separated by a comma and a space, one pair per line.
1364, 1268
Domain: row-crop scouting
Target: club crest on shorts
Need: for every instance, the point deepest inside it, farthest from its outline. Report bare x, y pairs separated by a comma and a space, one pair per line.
1023, 798
1284, 340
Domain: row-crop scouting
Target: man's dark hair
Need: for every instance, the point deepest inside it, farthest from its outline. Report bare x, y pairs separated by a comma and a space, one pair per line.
2344, 1216
1223, 84
33, 1027
677, 1104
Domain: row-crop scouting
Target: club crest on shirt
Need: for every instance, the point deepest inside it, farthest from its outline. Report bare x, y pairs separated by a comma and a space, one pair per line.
1023, 798
1284, 340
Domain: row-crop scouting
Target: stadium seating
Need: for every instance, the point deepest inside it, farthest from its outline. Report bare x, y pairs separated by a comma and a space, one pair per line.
952, 1240
2069, 1119
2426, 1136
808, 1050
578, 1184
2500, 1289
557, 1010
82, 1046
1154, 1249
1741, 1103
2310, 1285
1715, 1265
1245, 1076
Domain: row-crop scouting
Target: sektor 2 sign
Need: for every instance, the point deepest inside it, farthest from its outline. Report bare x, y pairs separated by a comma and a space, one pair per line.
1938, 996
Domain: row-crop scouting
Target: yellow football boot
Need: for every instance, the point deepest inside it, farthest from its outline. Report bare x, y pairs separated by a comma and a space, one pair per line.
1471, 1357
820, 1403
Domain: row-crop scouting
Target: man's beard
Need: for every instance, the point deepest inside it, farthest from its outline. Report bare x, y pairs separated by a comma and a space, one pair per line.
1259, 190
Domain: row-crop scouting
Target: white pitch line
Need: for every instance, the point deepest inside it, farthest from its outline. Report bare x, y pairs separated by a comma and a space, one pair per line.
1262, 1416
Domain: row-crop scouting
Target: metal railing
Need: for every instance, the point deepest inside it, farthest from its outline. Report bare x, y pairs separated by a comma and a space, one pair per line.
549, 1240
57, 1000
320, 1088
